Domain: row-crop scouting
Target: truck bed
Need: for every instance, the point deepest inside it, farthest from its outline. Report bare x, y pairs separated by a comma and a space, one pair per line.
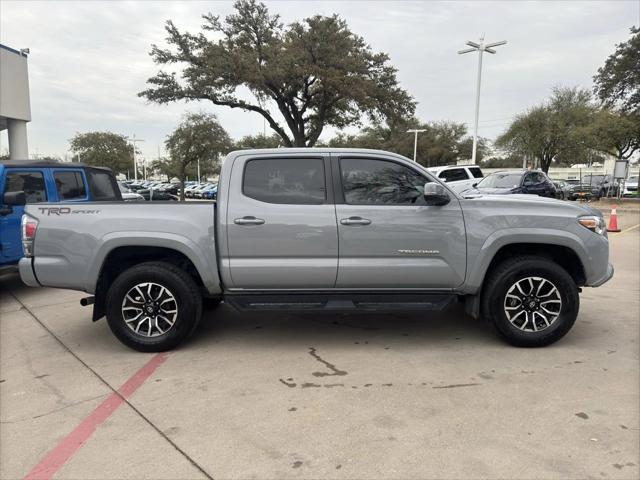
77, 238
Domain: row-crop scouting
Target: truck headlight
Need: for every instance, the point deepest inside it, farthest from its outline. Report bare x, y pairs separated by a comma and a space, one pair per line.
594, 223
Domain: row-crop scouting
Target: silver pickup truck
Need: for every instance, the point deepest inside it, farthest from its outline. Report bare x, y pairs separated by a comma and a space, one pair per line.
321, 229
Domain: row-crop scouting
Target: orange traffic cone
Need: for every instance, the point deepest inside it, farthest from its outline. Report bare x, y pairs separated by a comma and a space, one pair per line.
613, 220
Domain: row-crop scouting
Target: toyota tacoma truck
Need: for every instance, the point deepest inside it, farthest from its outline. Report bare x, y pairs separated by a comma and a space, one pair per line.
321, 229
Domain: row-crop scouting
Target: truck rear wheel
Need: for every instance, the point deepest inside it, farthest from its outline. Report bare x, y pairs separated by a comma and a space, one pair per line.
531, 301
153, 307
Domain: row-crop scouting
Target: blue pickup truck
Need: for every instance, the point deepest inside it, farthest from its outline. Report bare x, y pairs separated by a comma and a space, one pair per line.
45, 181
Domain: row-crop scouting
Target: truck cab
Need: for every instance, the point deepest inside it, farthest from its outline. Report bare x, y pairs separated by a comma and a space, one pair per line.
46, 181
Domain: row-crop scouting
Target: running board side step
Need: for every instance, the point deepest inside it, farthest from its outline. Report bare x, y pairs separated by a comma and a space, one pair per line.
376, 302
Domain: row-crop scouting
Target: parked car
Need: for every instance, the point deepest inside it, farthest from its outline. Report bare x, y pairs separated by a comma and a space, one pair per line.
323, 229
562, 187
210, 193
459, 178
154, 195
594, 186
172, 188
200, 192
531, 182
128, 195
630, 187
60, 184
190, 193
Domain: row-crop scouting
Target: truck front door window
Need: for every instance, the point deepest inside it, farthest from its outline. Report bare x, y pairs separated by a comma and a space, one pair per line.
379, 182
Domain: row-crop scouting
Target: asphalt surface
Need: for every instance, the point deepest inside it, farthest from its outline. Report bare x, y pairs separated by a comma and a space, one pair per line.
322, 396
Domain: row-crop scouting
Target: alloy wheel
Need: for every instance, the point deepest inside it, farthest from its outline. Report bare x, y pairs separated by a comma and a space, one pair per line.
149, 309
532, 304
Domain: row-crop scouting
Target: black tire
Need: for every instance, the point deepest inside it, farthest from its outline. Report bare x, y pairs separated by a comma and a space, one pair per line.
505, 275
178, 283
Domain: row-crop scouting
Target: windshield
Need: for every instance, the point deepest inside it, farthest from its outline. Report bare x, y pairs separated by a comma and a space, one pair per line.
632, 179
501, 180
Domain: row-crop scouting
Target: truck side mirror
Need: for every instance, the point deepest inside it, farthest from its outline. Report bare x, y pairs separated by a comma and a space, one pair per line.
14, 198
435, 194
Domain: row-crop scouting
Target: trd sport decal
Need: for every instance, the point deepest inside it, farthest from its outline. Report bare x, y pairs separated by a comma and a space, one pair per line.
48, 211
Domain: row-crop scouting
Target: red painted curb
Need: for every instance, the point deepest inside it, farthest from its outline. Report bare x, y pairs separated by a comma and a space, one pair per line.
69, 445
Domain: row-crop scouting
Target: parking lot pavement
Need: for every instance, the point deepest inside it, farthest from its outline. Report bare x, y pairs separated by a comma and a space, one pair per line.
324, 396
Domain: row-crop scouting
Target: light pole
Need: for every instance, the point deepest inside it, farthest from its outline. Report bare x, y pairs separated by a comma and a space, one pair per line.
479, 47
415, 141
133, 140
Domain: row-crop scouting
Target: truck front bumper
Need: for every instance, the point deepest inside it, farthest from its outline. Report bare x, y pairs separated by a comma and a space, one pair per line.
607, 276
28, 276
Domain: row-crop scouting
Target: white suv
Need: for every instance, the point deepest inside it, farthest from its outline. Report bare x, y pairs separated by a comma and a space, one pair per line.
458, 177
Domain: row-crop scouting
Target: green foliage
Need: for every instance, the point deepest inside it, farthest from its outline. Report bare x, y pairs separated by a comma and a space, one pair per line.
198, 137
556, 128
615, 133
258, 141
617, 83
314, 72
104, 149
443, 143
510, 161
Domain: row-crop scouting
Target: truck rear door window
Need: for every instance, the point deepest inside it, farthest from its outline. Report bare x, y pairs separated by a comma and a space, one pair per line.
70, 185
293, 181
31, 183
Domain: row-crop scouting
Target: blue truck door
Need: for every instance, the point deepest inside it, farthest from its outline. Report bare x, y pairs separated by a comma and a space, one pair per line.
32, 182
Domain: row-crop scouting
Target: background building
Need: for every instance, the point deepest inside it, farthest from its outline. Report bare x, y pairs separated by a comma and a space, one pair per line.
15, 106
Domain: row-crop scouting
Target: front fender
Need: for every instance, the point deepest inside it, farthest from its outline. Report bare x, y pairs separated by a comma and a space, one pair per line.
477, 266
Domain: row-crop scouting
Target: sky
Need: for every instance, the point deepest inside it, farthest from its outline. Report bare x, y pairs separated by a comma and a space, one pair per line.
89, 59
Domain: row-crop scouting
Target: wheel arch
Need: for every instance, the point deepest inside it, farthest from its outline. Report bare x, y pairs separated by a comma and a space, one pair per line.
563, 247
120, 254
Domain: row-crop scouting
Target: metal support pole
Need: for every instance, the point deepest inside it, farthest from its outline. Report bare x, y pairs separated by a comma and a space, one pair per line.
415, 142
475, 125
480, 48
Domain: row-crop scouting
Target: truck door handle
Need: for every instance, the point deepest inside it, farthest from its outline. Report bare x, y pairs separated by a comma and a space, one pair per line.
248, 221
355, 221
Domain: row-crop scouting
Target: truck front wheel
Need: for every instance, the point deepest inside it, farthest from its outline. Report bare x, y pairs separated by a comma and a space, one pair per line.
531, 301
153, 306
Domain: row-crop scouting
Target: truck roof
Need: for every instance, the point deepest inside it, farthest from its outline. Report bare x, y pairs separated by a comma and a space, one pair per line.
307, 150
48, 164
448, 167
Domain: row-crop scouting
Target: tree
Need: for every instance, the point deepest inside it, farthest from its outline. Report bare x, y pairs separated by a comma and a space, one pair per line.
258, 141
554, 128
615, 133
442, 143
314, 73
104, 149
617, 83
510, 161
198, 137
